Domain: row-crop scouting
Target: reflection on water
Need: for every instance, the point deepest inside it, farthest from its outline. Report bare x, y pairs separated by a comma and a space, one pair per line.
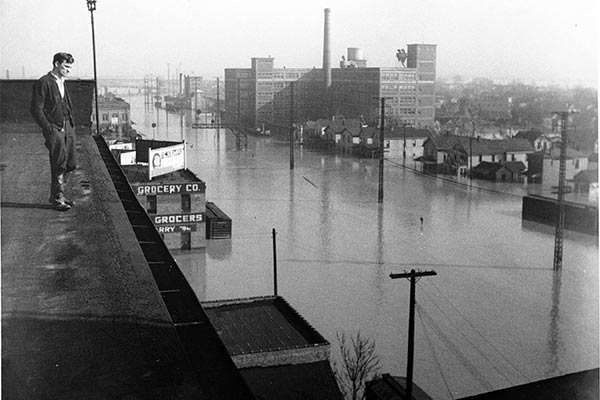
553, 331
491, 315
218, 249
193, 266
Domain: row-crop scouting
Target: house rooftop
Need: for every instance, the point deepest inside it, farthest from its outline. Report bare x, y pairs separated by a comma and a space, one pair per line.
314, 380
588, 175
497, 147
409, 132
352, 125
262, 325
277, 352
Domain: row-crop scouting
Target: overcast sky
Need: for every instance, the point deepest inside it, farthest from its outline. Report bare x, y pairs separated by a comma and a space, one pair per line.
541, 41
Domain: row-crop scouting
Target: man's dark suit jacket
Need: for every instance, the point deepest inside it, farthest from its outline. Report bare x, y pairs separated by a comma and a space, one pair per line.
47, 104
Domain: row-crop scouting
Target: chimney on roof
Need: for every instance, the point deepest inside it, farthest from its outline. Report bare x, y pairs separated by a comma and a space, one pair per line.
326, 51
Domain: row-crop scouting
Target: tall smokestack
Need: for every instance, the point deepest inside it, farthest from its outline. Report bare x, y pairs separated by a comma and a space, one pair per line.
326, 51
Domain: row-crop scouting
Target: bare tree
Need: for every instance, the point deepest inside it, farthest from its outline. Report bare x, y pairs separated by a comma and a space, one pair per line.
360, 363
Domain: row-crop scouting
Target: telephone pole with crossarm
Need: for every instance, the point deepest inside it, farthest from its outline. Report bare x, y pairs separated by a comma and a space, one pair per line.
412, 276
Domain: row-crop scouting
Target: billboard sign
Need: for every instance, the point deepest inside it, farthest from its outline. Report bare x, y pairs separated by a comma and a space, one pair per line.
164, 160
121, 146
153, 189
127, 158
177, 219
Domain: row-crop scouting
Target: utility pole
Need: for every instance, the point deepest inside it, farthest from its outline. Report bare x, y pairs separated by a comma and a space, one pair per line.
560, 218
151, 95
168, 79
404, 146
274, 263
196, 100
238, 104
156, 100
381, 128
218, 119
181, 102
291, 125
471, 154
412, 276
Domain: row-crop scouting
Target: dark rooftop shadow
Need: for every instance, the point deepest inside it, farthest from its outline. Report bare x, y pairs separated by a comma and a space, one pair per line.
26, 205
46, 356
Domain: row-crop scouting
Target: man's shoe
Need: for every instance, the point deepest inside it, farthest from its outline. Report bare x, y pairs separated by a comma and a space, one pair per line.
61, 205
70, 203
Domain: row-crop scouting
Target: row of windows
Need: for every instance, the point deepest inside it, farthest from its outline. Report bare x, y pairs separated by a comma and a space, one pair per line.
400, 99
394, 87
394, 76
238, 74
403, 111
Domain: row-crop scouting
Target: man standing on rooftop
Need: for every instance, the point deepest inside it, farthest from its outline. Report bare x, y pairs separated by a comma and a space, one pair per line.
51, 108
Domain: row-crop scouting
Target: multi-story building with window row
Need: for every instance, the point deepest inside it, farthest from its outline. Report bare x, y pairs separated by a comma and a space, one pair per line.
262, 94
114, 112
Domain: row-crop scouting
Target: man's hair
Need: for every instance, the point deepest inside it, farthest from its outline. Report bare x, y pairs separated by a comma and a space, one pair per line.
61, 57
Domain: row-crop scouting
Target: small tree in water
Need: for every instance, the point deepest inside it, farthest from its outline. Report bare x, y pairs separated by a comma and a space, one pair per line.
359, 364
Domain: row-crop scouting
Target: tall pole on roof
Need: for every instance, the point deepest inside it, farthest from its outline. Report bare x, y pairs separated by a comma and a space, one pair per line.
91, 5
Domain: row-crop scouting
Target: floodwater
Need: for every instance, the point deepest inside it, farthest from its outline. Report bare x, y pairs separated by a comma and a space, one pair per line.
495, 315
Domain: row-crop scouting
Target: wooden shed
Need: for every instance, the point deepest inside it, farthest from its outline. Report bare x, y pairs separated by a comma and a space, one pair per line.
218, 224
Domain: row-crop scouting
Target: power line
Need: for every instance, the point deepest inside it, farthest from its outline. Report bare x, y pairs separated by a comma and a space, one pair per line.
469, 366
474, 345
352, 260
447, 300
435, 358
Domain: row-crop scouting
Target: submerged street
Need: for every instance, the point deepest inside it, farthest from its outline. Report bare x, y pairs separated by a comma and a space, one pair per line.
496, 314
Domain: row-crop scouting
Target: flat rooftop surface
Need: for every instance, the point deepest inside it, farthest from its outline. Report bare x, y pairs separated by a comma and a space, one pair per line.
82, 317
260, 324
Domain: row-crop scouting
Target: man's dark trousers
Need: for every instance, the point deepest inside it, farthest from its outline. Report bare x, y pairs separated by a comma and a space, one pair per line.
60, 143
